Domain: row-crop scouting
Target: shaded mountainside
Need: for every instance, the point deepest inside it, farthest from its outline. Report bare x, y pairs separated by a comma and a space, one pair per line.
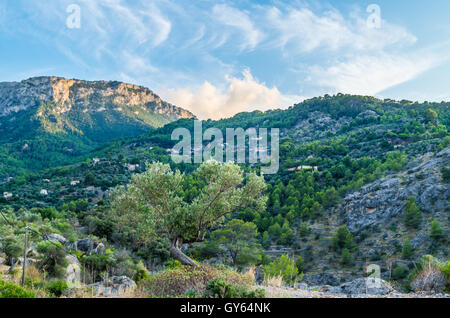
48, 118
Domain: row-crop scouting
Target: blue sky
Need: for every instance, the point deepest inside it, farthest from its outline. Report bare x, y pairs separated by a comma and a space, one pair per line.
217, 58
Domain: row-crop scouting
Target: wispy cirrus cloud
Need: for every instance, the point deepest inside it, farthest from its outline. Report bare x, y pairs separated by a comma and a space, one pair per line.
199, 54
239, 20
371, 74
301, 30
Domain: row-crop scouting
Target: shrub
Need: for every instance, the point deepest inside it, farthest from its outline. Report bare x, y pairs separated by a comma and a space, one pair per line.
10, 290
347, 256
283, 266
52, 258
399, 272
300, 264
407, 250
174, 282
430, 275
412, 217
218, 288
57, 288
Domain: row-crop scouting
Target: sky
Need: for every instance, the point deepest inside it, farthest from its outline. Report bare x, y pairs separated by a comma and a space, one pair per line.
218, 58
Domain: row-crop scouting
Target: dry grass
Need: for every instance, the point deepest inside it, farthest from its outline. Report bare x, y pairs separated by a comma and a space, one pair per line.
430, 279
273, 281
177, 281
251, 272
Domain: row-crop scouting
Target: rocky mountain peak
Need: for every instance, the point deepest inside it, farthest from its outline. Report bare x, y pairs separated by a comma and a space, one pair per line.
66, 94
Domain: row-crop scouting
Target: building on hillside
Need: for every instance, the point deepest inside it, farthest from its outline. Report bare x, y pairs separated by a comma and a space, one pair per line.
315, 168
7, 195
44, 192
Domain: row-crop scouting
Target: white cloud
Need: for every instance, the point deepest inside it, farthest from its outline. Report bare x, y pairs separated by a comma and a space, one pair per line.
238, 95
301, 30
369, 75
240, 20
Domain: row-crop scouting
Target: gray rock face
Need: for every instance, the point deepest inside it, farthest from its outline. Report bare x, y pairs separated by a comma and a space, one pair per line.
380, 201
325, 278
69, 93
73, 271
363, 286
88, 245
117, 286
55, 238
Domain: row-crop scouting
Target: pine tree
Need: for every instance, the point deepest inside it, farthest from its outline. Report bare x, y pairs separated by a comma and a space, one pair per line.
436, 230
412, 214
408, 250
346, 259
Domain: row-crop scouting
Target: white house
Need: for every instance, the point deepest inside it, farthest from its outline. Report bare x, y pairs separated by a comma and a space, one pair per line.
44, 192
7, 195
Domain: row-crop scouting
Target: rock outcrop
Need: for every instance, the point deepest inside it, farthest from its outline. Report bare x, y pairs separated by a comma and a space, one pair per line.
91, 96
117, 286
363, 286
73, 271
384, 199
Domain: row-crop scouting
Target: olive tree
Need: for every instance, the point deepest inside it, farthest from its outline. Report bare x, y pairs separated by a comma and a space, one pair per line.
154, 205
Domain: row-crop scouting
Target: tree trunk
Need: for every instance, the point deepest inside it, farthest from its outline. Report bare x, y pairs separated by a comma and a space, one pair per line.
175, 251
13, 263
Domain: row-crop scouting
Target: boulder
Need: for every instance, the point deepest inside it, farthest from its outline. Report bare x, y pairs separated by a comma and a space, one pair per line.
363, 286
89, 246
325, 278
73, 271
55, 238
116, 286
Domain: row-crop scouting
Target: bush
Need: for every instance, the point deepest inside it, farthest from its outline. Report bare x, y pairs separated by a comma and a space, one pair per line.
430, 275
218, 288
347, 257
283, 266
52, 258
399, 272
57, 288
10, 290
177, 281
407, 250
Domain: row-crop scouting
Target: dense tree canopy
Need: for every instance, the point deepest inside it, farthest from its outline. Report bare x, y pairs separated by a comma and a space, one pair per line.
154, 203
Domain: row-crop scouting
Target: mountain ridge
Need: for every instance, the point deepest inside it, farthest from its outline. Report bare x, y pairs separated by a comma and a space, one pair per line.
50, 121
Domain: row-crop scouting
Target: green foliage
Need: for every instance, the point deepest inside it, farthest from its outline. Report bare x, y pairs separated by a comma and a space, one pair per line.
52, 258
239, 240
304, 229
400, 272
153, 204
10, 290
177, 281
11, 247
219, 288
342, 239
407, 250
431, 115
57, 288
436, 232
283, 266
412, 217
300, 264
346, 257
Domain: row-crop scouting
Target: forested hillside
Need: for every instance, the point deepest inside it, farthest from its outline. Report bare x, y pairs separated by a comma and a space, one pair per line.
379, 194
